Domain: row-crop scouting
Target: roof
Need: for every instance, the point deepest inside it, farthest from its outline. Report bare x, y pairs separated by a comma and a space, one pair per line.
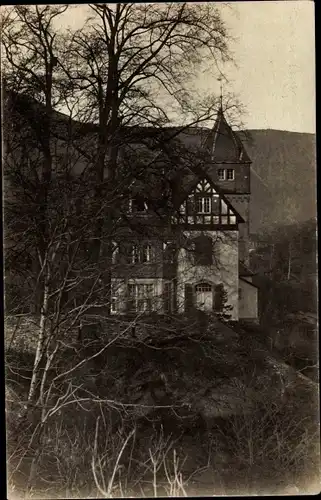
244, 271
222, 143
187, 159
225, 145
249, 282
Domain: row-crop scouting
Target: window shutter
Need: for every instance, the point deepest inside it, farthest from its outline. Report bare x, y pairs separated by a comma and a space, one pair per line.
218, 299
189, 298
125, 253
167, 298
213, 295
190, 205
131, 298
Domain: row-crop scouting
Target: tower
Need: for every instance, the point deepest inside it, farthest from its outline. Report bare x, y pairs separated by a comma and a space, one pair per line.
230, 168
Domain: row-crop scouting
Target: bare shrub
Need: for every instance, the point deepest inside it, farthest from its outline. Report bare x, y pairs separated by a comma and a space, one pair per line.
272, 447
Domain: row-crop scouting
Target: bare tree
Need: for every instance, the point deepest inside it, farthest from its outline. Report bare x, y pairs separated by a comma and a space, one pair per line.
123, 58
68, 182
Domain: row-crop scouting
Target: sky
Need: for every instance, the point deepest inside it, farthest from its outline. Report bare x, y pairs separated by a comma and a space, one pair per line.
274, 51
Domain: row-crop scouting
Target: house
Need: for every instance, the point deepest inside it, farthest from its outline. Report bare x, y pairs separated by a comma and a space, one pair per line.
199, 253
183, 238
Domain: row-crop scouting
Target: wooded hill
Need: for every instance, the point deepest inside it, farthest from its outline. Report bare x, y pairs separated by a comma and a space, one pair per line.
285, 163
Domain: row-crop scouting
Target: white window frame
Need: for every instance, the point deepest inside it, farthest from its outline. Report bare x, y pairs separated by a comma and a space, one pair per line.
232, 171
201, 201
142, 297
203, 287
130, 208
115, 253
221, 171
148, 249
139, 252
168, 247
113, 305
135, 254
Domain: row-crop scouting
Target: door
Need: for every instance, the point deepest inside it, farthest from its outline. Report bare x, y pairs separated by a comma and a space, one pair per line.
204, 297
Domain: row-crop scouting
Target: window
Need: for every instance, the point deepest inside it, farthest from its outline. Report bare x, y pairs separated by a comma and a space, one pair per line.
216, 205
113, 305
204, 297
146, 253
135, 254
131, 301
221, 174
203, 287
115, 253
202, 186
140, 297
168, 297
190, 204
224, 174
203, 205
182, 209
230, 174
141, 254
202, 248
169, 252
138, 204
114, 299
125, 253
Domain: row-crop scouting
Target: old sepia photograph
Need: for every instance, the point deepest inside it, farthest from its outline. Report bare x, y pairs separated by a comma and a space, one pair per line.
160, 250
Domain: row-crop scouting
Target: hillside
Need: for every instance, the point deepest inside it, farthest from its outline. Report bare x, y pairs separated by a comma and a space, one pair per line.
285, 162
216, 395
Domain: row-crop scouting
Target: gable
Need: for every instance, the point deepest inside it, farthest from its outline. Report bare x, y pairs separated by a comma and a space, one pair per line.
205, 204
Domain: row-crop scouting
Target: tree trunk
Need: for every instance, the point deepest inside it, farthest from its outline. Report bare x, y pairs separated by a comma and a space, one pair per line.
289, 262
40, 341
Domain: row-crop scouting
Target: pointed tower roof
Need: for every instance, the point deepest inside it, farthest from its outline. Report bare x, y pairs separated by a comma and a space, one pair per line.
224, 144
